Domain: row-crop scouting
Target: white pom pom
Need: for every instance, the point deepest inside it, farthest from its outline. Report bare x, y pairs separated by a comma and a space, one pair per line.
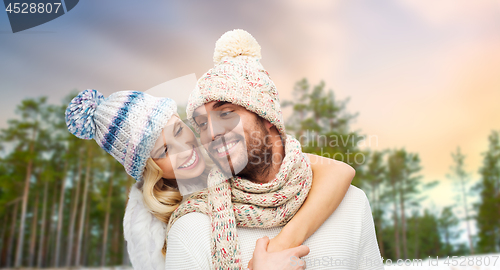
80, 113
235, 43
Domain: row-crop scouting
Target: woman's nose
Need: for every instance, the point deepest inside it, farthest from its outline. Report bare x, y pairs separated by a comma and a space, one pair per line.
182, 148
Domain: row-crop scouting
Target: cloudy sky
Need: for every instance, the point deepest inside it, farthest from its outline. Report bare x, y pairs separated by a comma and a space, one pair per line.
424, 75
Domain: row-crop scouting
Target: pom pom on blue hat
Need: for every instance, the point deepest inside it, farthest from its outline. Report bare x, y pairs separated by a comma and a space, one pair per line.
80, 113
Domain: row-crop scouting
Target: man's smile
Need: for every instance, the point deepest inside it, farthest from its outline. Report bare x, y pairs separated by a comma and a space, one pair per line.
224, 149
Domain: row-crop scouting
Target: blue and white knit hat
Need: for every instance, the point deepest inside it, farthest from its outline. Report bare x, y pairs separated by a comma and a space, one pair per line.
126, 124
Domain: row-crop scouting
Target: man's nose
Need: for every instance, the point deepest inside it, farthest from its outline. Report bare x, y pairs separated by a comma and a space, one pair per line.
216, 127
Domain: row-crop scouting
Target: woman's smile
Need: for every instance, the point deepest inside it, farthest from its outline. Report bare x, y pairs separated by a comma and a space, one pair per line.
191, 162
177, 152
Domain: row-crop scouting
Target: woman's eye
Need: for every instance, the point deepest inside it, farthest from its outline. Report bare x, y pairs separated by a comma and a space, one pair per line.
178, 131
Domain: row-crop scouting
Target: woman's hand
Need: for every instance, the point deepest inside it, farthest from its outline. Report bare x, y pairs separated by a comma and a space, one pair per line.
276, 244
287, 259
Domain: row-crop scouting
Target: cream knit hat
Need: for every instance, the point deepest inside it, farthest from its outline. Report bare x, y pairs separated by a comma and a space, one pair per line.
238, 77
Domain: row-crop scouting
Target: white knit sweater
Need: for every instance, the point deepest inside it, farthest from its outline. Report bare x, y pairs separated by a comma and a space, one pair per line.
144, 233
346, 240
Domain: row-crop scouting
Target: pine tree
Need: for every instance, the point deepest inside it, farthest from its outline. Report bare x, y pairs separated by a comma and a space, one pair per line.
322, 124
488, 208
42, 239
396, 165
424, 235
107, 215
74, 207
24, 133
458, 174
447, 225
405, 191
88, 175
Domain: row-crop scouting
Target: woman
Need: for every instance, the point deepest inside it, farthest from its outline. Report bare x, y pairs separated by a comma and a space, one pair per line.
157, 149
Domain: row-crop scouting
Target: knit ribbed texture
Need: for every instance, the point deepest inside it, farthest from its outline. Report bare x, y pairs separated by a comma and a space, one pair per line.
240, 202
238, 77
348, 234
144, 234
126, 124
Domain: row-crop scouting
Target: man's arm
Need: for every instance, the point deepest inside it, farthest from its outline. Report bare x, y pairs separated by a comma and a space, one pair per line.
185, 257
369, 254
188, 245
331, 180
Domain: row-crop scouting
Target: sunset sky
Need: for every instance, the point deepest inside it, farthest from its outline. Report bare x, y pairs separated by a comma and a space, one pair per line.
423, 75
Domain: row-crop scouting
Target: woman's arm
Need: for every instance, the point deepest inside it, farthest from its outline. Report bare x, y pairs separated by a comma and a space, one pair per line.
331, 180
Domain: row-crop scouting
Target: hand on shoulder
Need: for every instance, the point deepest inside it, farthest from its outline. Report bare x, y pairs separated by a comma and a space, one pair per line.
288, 259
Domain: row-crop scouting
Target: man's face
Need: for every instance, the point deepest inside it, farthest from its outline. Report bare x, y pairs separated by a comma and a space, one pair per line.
235, 138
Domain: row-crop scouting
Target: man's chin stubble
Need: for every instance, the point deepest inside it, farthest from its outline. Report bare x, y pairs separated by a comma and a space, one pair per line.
259, 157
256, 168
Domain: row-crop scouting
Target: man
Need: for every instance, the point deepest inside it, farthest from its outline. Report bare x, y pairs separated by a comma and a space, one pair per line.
235, 108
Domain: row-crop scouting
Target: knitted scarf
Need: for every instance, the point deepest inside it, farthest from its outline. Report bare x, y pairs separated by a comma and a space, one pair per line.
240, 202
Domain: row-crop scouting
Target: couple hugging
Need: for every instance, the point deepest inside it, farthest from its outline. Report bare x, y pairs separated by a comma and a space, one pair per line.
243, 194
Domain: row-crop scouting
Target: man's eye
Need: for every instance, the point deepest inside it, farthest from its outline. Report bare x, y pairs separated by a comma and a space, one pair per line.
226, 114
201, 121
202, 125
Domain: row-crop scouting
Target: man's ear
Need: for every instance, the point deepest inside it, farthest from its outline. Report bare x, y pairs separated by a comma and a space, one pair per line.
268, 125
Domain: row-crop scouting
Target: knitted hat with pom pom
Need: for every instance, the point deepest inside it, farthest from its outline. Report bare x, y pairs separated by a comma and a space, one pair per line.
126, 124
238, 77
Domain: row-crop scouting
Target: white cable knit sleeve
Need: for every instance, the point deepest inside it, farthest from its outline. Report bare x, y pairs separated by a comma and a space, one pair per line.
188, 245
369, 254
144, 233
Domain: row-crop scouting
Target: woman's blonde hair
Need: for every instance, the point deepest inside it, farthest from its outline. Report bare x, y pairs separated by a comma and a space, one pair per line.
161, 199
161, 195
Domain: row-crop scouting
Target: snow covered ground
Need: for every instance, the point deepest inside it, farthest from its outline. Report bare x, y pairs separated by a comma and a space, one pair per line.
74, 268
477, 262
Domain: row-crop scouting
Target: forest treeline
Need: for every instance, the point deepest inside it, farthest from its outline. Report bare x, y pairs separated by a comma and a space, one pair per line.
392, 181
62, 199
